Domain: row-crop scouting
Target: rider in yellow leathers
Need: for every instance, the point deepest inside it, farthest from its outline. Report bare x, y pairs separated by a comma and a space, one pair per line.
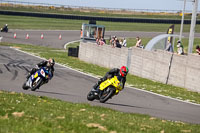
120, 73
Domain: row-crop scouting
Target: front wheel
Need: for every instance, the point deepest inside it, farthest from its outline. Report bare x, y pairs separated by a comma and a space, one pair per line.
24, 86
36, 84
107, 93
90, 96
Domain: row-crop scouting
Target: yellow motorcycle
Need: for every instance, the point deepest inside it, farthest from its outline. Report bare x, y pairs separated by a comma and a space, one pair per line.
108, 88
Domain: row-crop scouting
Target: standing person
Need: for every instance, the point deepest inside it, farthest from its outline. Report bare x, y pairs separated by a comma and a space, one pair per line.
169, 46
198, 49
81, 33
124, 44
180, 49
139, 42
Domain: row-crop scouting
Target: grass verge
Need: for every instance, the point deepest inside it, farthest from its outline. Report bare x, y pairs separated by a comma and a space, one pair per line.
21, 22
93, 12
141, 83
21, 113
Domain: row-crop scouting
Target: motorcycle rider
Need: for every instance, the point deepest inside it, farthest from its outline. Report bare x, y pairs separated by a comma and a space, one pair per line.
49, 64
5, 28
120, 73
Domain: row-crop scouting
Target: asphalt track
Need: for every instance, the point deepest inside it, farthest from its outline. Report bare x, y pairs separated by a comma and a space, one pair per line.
73, 86
51, 38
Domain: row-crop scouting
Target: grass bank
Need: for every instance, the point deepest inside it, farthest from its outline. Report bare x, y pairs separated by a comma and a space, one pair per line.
21, 113
141, 83
93, 12
21, 22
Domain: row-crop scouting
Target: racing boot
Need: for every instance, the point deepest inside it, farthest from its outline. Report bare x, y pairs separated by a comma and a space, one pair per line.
96, 89
29, 74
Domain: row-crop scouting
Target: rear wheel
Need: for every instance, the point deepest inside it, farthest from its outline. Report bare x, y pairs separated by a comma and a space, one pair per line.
90, 96
107, 93
36, 85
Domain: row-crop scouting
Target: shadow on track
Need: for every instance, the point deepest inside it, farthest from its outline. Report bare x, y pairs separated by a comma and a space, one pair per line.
55, 93
125, 105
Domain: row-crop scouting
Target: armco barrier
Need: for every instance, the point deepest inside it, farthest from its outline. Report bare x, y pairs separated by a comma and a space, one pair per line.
61, 16
184, 71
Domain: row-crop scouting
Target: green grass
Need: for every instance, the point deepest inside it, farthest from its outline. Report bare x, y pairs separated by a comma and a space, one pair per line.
73, 45
93, 12
141, 83
21, 22
21, 113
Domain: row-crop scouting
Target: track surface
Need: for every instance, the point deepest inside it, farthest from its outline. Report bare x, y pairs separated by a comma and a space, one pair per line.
69, 85
51, 38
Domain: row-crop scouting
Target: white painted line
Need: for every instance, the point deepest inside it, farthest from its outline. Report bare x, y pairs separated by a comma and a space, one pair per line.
70, 43
98, 78
164, 96
40, 30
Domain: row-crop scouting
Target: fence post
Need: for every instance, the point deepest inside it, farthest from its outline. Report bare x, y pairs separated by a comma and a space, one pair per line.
170, 64
128, 64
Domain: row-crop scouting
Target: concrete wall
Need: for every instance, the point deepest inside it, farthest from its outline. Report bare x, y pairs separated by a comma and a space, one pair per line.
184, 70
105, 56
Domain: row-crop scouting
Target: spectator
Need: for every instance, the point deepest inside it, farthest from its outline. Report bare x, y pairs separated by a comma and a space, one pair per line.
112, 41
169, 46
180, 49
81, 33
120, 42
198, 49
124, 43
117, 44
101, 41
98, 41
139, 43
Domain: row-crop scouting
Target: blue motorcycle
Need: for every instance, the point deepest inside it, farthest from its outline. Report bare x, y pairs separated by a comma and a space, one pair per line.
37, 79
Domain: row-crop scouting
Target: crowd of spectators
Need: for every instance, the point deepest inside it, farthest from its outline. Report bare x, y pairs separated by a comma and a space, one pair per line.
118, 43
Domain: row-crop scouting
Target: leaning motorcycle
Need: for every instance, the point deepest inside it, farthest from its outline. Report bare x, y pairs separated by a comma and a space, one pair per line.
37, 79
4, 29
108, 88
